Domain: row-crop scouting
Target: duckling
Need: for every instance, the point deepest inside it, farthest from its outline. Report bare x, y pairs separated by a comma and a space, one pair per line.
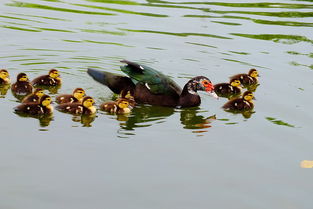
77, 96
233, 87
120, 106
52, 79
128, 95
247, 79
240, 104
86, 107
4, 77
22, 85
34, 97
44, 107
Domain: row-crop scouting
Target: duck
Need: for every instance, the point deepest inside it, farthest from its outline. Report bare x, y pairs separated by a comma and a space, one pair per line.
150, 86
240, 104
4, 77
52, 79
231, 88
247, 79
34, 97
86, 107
120, 106
77, 96
44, 107
22, 86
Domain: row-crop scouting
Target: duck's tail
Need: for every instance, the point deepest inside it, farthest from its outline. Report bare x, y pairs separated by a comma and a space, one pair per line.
117, 83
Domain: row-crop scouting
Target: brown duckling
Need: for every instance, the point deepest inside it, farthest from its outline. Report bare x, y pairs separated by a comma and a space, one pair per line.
52, 79
77, 96
22, 85
128, 96
120, 106
247, 79
233, 87
240, 104
4, 77
34, 97
42, 108
86, 107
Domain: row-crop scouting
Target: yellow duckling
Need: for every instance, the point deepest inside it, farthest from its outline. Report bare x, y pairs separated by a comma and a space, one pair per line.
77, 96
34, 97
52, 79
42, 108
86, 107
240, 104
4, 77
247, 79
120, 106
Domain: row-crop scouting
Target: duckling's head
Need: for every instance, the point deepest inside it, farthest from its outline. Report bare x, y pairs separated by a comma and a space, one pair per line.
122, 103
22, 77
79, 93
253, 73
4, 74
88, 102
53, 73
248, 96
39, 92
127, 95
45, 100
235, 82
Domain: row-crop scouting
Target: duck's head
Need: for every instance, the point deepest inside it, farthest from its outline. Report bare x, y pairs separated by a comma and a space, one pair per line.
248, 96
4, 74
39, 92
45, 100
235, 82
201, 83
122, 103
253, 73
54, 73
88, 102
79, 93
22, 77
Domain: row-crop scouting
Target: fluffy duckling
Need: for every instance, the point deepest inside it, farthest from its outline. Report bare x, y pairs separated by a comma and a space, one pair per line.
233, 87
77, 96
4, 77
120, 106
247, 79
240, 104
22, 85
34, 97
52, 79
42, 108
86, 107
129, 97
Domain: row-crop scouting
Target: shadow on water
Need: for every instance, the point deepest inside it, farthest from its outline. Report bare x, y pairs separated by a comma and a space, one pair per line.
85, 120
44, 120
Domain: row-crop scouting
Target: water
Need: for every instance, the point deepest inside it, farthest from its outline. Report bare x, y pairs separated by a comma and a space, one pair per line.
160, 157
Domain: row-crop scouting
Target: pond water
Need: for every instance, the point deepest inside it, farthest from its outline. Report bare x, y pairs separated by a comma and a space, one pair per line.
159, 157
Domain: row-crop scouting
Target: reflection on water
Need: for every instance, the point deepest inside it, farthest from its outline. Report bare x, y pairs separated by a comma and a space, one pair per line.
85, 120
4, 89
306, 164
44, 120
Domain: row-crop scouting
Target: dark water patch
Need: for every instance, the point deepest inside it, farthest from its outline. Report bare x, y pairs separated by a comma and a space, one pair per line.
281, 38
17, 18
103, 32
279, 122
55, 30
200, 44
241, 53
256, 5
39, 63
226, 23
47, 50
19, 28
192, 60
42, 17
122, 11
40, 6
176, 34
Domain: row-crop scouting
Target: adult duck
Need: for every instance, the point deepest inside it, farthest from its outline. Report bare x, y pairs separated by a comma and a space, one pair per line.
150, 86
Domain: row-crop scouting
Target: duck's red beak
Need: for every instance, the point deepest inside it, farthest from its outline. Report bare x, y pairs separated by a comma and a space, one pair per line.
210, 89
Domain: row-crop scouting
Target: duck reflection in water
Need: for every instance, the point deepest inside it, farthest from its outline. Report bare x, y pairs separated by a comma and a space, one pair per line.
44, 120
85, 120
191, 119
4, 89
